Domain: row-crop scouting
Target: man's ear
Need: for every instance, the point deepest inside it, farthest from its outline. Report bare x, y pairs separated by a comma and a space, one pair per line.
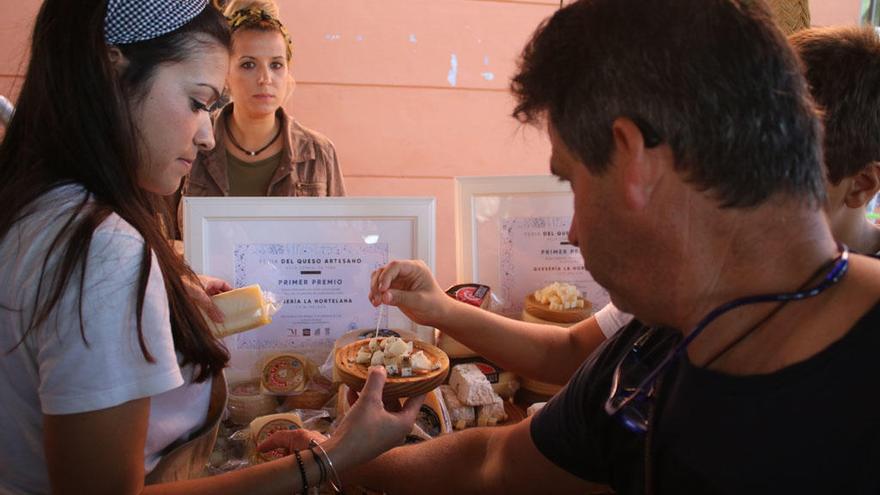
863, 187
640, 167
117, 59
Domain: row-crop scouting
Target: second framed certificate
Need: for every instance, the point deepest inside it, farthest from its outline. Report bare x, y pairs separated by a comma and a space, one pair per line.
513, 237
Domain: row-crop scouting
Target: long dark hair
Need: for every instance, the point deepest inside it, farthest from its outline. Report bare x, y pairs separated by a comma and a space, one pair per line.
73, 124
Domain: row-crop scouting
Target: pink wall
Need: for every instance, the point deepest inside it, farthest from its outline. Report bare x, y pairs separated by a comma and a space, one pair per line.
833, 12
413, 92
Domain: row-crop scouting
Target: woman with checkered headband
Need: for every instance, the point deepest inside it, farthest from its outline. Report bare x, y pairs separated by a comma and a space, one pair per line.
110, 380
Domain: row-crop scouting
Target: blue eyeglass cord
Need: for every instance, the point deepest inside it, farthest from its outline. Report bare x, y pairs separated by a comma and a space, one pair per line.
837, 272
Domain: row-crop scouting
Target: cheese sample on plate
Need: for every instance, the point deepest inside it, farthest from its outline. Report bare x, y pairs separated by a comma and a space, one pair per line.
243, 309
396, 355
460, 414
491, 414
471, 385
560, 296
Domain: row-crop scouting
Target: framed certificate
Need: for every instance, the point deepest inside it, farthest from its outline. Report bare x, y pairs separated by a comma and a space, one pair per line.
314, 255
513, 236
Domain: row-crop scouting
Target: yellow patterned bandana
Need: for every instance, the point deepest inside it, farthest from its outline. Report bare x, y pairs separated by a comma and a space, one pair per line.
259, 19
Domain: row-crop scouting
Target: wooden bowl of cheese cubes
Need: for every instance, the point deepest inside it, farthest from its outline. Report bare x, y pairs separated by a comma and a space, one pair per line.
557, 304
413, 367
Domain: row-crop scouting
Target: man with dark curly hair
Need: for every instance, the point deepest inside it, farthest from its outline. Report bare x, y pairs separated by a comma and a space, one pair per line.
689, 138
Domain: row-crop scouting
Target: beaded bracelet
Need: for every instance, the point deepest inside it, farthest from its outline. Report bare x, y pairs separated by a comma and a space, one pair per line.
302, 471
333, 479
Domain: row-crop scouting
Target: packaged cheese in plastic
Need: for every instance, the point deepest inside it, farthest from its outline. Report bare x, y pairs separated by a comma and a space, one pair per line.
243, 309
286, 373
263, 427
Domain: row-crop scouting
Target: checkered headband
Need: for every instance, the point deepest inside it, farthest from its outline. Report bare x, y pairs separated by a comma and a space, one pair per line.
130, 21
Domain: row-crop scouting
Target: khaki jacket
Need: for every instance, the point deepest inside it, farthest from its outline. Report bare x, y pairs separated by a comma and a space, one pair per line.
308, 167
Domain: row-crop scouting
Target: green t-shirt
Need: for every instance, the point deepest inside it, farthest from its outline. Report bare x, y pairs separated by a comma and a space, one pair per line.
250, 179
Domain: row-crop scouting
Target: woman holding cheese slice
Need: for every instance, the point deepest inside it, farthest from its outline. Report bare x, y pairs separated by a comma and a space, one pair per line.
110, 380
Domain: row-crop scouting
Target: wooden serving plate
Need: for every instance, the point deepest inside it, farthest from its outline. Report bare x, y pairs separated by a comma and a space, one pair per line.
355, 375
543, 311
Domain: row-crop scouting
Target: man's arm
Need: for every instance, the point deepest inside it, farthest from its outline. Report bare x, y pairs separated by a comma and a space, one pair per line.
541, 352
501, 460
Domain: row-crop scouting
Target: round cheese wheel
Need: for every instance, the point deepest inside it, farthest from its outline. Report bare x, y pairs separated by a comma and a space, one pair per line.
285, 374
246, 402
265, 426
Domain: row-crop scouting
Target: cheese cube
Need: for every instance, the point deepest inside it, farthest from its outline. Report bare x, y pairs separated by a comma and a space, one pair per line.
421, 362
460, 415
406, 368
491, 414
397, 347
471, 385
364, 355
378, 358
392, 364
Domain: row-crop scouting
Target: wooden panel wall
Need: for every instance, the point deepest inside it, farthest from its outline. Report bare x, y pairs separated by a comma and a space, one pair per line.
413, 92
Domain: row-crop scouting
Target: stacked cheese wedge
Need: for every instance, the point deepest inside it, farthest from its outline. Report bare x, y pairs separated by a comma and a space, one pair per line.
470, 399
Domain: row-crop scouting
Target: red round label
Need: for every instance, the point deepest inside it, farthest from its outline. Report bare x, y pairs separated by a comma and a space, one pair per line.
466, 294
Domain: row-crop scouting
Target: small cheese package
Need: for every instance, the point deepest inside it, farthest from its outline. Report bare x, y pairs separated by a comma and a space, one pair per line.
286, 373
243, 309
475, 295
263, 427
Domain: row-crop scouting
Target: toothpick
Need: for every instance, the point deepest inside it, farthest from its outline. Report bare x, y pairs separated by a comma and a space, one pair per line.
379, 320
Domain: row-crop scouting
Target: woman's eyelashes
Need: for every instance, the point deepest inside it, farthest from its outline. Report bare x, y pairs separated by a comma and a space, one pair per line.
196, 105
248, 65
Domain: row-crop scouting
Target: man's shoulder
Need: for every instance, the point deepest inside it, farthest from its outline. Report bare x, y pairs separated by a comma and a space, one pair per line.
864, 276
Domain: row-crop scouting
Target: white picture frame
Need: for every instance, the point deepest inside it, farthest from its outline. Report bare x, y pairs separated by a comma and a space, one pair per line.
486, 204
218, 229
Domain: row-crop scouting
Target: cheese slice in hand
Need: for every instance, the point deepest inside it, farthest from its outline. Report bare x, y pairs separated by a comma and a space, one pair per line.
243, 309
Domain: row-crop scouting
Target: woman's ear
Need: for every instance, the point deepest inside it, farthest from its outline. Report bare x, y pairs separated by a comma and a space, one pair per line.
117, 59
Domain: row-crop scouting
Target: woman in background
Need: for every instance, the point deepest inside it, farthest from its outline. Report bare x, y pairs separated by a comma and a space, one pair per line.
261, 149
109, 377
